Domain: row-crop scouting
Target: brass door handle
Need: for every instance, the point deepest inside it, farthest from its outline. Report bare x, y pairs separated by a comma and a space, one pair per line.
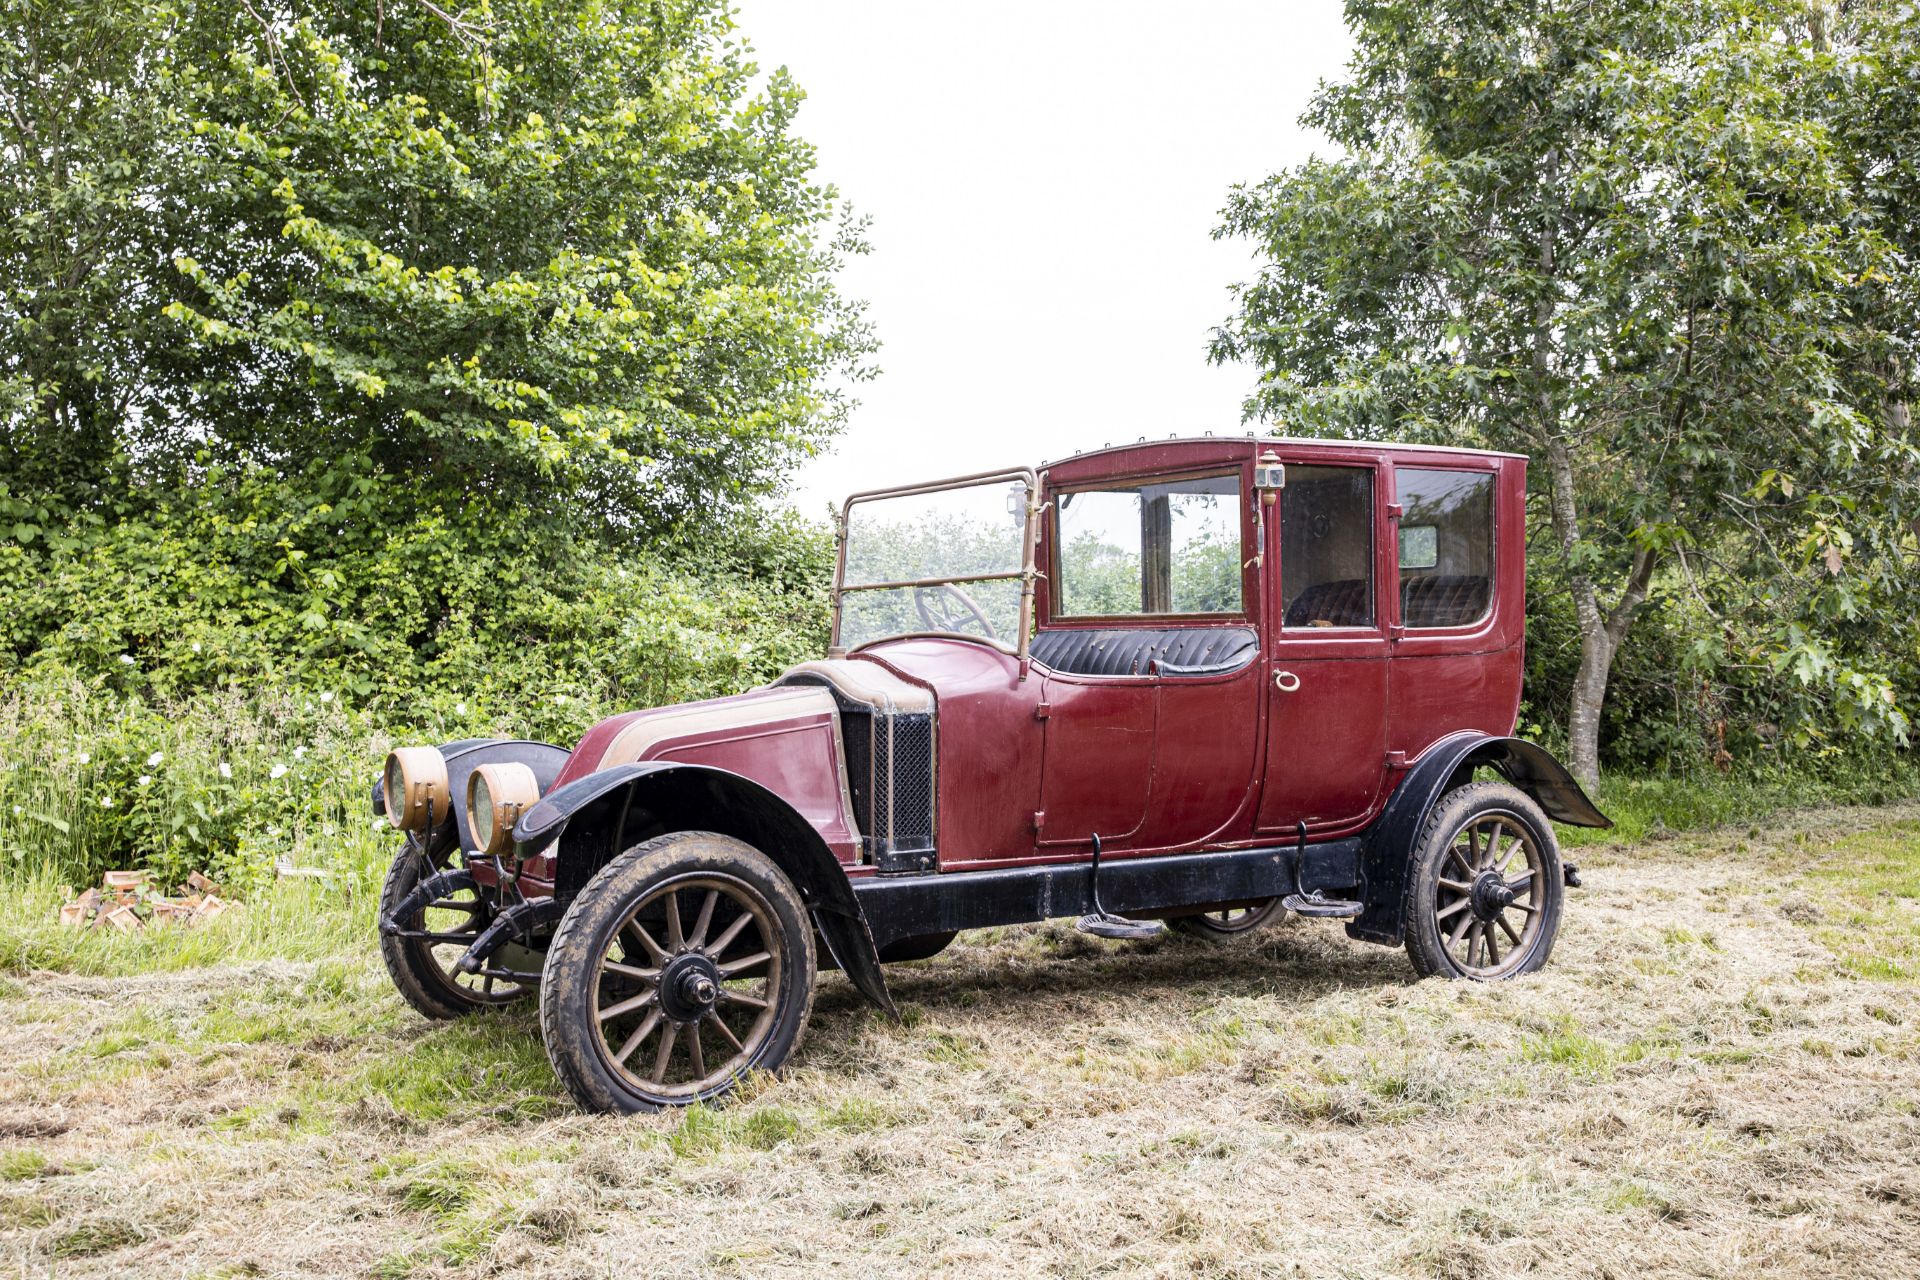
1285, 681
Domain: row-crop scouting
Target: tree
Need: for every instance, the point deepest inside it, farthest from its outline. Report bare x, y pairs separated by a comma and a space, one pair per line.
538, 255
1628, 240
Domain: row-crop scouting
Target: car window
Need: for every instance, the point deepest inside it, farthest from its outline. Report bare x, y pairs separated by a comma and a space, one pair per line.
1164, 546
1446, 546
1326, 547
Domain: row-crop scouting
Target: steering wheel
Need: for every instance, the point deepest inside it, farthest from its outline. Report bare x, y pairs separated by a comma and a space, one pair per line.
948, 608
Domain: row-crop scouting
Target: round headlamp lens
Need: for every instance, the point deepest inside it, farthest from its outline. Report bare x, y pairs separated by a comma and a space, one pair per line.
480, 811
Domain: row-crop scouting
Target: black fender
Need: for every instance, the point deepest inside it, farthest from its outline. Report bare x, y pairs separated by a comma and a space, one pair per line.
609, 811
468, 754
1387, 848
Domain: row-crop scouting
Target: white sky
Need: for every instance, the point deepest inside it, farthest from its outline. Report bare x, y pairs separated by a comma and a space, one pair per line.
1043, 178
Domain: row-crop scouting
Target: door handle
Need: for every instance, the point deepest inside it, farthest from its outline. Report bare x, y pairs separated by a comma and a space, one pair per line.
1285, 681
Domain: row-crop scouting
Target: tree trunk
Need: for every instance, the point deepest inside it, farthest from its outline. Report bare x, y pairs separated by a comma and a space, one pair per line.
1589, 694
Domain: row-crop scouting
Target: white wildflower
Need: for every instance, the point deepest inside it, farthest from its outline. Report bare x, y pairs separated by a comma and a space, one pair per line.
18, 810
299, 752
226, 770
106, 802
84, 758
560, 697
327, 696
279, 771
196, 646
459, 708
155, 759
146, 780
126, 659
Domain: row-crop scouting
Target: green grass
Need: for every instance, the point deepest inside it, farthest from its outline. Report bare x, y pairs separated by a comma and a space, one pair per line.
1653, 807
1869, 884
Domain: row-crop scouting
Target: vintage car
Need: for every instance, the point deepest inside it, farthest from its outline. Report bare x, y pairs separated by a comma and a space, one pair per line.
1199, 682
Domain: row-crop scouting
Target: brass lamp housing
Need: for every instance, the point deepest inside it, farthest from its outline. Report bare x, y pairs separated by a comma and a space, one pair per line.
497, 794
417, 794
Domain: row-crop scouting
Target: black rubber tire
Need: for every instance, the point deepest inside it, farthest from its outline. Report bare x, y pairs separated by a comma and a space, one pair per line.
1450, 816
1201, 924
924, 947
416, 974
569, 984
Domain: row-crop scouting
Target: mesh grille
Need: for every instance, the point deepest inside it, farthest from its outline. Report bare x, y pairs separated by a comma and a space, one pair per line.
912, 783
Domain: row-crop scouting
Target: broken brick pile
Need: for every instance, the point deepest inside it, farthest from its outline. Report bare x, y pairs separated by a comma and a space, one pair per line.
128, 901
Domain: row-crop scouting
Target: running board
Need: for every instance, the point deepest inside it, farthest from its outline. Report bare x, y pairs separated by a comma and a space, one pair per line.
1312, 904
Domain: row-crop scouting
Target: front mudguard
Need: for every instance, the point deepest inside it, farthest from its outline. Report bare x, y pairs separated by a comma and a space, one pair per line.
593, 819
1387, 849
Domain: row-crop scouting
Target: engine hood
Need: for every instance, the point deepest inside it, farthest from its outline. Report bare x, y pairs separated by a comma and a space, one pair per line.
660, 733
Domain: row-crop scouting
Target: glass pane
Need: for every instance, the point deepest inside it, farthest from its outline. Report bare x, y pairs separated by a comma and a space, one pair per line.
1326, 547
1448, 524
1168, 546
950, 533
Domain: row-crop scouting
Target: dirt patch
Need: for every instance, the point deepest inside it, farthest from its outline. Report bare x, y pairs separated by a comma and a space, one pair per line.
1712, 1078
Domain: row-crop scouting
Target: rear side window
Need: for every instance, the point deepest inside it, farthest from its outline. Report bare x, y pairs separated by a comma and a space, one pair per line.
1446, 547
1326, 547
1167, 546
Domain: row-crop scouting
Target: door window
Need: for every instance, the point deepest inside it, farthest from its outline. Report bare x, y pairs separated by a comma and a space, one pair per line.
1326, 547
1162, 547
1446, 547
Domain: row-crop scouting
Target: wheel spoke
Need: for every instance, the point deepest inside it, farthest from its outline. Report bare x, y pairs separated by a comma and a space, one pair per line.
1507, 857
449, 904
741, 997
1493, 946
627, 1006
726, 1031
676, 940
727, 935
628, 971
1459, 904
640, 1033
704, 920
666, 1053
1453, 851
1473, 846
739, 966
1475, 941
647, 943
1459, 931
1502, 919
1458, 886
1522, 884
693, 1049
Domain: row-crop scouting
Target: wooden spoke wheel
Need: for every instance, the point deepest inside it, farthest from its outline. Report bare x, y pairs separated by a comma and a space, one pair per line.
1484, 897
1228, 922
422, 968
684, 964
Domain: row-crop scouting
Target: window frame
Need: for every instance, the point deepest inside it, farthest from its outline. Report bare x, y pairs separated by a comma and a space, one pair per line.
1056, 580
1376, 507
1487, 617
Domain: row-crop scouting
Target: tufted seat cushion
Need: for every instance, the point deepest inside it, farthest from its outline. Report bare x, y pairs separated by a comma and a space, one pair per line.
1344, 602
1443, 600
1133, 651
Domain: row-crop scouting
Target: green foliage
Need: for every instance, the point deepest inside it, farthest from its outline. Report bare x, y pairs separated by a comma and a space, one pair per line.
561, 256
1652, 245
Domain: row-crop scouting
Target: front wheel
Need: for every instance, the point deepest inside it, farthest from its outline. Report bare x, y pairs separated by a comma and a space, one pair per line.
424, 965
687, 962
1483, 901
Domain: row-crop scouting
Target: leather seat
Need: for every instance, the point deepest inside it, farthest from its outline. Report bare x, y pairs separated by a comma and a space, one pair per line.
1132, 651
1443, 600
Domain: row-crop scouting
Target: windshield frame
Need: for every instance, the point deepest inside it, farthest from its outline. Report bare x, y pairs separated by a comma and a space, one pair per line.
1026, 573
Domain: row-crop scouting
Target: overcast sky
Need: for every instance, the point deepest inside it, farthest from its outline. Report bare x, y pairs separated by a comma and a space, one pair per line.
1042, 178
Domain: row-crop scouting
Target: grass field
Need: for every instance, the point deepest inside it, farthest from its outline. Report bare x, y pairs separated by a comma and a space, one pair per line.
1718, 1075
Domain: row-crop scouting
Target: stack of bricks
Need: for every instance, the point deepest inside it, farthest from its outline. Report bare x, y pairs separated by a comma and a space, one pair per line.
128, 902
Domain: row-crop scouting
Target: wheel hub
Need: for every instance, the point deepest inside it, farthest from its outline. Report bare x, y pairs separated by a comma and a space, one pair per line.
1491, 895
689, 987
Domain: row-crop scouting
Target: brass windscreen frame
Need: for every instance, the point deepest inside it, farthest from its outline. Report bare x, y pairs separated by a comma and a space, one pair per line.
1026, 573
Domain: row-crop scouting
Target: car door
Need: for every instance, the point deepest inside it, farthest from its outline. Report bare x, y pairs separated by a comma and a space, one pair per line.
1326, 685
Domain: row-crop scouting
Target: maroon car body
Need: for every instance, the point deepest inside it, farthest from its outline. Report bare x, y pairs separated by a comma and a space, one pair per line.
1358, 658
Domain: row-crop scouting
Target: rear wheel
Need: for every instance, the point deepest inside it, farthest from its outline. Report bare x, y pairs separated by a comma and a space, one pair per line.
1483, 901
687, 962
1227, 922
423, 968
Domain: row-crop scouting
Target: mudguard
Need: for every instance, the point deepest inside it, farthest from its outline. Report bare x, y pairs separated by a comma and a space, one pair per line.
468, 754
613, 809
1387, 849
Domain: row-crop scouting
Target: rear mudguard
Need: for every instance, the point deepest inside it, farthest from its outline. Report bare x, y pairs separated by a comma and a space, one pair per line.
1387, 850
468, 754
614, 809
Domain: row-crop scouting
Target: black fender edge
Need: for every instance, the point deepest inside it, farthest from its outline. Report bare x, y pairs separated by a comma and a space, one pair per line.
1387, 848
466, 755
611, 810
